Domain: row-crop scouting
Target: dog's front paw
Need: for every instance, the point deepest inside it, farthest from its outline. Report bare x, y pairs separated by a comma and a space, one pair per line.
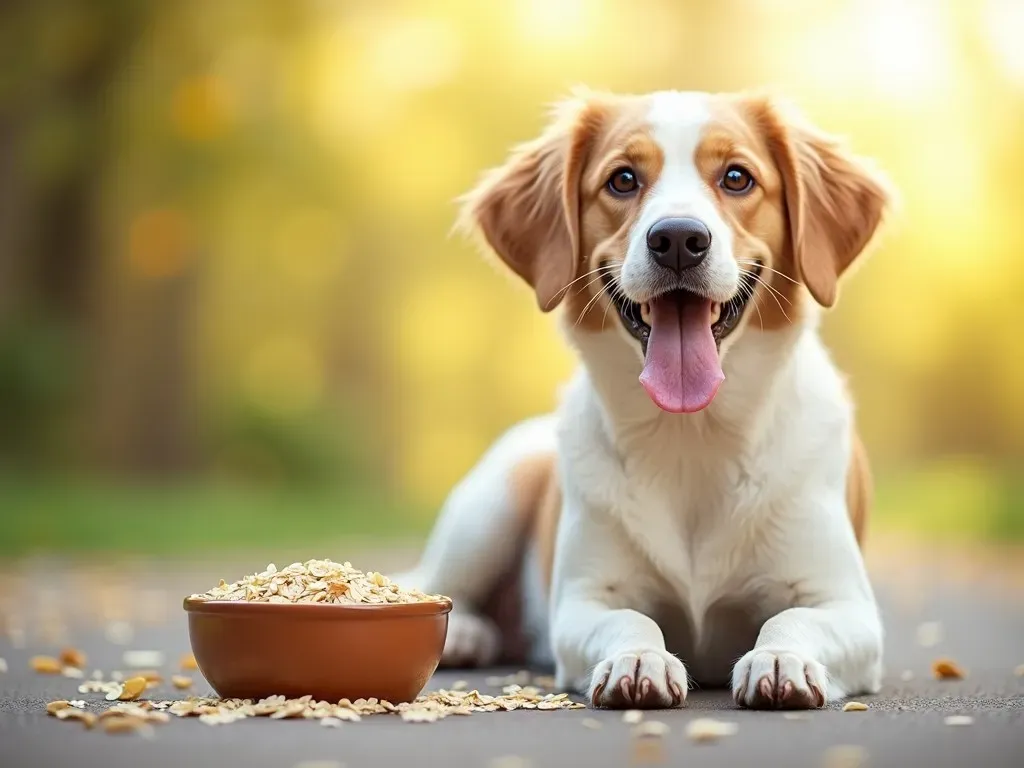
642, 679
765, 679
472, 641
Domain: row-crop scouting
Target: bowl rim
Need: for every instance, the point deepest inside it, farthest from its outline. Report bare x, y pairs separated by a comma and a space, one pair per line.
362, 611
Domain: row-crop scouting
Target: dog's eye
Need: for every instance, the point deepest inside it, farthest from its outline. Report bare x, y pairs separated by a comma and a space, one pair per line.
623, 182
737, 180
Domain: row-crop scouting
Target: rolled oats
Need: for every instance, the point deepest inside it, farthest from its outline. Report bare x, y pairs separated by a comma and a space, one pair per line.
73, 672
72, 657
509, 761
126, 724
428, 708
632, 716
706, 729
46, 665
649, 729
131, 689
855, 706
181, 682
647, 752
88, 719
56, 706
947, 669
188, 663
845, 756
959, 720
316, 581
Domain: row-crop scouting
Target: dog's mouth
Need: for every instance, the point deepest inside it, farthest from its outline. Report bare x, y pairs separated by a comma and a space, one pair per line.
680, 333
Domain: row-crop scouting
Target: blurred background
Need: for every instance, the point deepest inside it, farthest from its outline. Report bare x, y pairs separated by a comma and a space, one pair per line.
231, 313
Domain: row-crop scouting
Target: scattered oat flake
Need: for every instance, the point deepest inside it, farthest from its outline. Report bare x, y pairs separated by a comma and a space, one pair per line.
132, 688
45, 665
632, 716
959, 720
929, 634
125, 724
650, 728
77, 703
56, 706
188, 662
331, 722
706, 729
844, 756
88, 719
181, 682
591, 723
460, 685
141, 659
509, 761
947, 669
72, 657
855, 706
796, 715
73, 672
647, 751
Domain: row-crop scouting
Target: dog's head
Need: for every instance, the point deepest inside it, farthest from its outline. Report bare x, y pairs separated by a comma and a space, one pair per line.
679, 213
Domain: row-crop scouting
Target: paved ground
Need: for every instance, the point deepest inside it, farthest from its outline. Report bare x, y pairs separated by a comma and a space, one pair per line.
978, 600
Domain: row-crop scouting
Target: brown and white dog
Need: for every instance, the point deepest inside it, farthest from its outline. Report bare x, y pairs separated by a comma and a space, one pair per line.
703, 473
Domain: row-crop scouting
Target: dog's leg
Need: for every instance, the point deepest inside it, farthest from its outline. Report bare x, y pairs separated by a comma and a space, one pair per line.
604, 646
831, 646
477, 535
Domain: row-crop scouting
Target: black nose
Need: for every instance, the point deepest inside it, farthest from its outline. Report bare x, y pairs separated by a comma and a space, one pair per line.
678, 244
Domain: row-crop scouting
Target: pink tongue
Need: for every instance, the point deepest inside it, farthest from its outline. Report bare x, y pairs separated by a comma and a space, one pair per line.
682, 372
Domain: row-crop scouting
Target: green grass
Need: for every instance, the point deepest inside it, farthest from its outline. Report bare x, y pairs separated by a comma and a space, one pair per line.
957, 498
85, 517
962, 500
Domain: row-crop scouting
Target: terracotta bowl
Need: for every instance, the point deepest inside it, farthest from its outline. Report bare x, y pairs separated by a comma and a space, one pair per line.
332, 652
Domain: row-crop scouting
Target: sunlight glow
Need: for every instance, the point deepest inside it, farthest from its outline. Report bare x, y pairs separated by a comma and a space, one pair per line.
556, 21
1004, 25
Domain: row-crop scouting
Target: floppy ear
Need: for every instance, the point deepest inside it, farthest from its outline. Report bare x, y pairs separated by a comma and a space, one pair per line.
528, 209
835, 202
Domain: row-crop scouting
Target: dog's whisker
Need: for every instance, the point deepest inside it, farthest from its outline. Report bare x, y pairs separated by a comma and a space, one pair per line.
775, 291
587, 308
774, 296
561, 291
783, 275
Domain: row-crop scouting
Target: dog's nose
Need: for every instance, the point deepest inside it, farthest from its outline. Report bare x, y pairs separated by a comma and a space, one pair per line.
679, 243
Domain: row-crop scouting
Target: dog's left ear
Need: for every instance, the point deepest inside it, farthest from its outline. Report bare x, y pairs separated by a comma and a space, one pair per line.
835, 201
528, 209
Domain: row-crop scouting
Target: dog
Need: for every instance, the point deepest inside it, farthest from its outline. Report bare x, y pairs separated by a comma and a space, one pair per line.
694, 510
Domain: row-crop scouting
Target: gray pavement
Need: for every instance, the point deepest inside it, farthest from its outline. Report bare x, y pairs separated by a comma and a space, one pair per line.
977, 600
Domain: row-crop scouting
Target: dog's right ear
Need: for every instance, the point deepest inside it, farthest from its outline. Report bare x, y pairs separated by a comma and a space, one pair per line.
528, 209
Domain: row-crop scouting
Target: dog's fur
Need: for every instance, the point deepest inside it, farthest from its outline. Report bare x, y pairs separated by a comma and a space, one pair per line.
718, 547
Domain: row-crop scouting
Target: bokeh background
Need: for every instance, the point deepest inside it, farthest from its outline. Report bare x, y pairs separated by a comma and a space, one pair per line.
231, 313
